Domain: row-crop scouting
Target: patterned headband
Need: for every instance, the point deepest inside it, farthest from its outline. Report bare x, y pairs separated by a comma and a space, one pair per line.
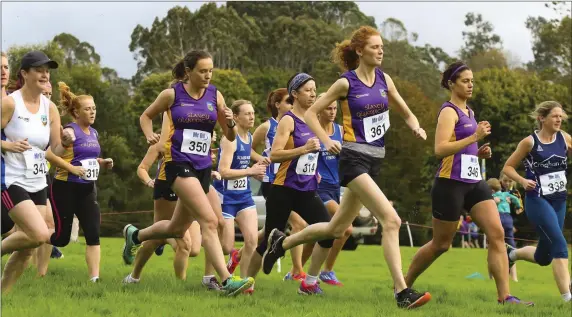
298, 81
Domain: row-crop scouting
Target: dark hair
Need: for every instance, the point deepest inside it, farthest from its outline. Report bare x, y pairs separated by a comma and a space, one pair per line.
344, 54
290, 98
275, 97
237, 104
189, 61
452, 73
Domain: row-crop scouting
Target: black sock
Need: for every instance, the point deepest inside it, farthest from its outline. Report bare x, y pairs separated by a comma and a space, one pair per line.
225, 281
403, 291
134, 237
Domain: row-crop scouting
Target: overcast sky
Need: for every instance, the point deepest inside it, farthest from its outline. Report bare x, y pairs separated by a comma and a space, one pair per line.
108, 26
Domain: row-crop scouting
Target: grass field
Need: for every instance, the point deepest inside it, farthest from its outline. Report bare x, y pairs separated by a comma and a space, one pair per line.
367, 289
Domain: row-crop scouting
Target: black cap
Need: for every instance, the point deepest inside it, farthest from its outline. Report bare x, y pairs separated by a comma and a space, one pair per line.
35, 59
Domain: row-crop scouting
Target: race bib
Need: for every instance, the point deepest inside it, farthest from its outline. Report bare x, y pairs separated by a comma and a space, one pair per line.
237, 184
276, 167
374, 127
36, 164
196, 142
553, 183
91, 167
307, 164
470, 168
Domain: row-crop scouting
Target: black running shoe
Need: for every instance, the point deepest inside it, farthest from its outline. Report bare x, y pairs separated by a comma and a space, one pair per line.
274, 250
409, 298
509, 249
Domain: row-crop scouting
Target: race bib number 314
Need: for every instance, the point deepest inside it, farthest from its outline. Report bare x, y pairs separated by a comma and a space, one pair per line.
196, 142
307, 164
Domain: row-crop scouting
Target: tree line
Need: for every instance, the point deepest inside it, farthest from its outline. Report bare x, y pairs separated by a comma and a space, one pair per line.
257, 46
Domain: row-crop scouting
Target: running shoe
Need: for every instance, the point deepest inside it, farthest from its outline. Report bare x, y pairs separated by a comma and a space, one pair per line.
234, 285
509, 249
330, 278
212, 284
56, 253
515, 300
249, 291
160, 249
233, 261
306, 289
274, 250
130, 280
129, 248
94, 279
294, 277
410, 298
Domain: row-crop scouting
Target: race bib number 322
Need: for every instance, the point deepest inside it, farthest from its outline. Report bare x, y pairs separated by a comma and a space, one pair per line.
237, 184
196, 142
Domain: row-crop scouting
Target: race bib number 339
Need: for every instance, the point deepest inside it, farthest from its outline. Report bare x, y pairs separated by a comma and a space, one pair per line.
196, 142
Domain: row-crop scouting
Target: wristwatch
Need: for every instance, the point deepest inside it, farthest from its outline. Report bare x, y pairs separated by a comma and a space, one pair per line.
231, 125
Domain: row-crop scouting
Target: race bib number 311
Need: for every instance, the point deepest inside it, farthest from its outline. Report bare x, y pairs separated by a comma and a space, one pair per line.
553, 182
196, 142
36, 165
374, 127
470, 168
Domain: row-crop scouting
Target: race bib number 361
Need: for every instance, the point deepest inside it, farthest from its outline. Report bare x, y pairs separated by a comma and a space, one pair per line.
553, 182
307, 164
36, 165
374, 127
196, 142
470, 168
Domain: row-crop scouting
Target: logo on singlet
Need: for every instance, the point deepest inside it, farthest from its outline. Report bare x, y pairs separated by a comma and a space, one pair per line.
44, 119
539, 149
359, 96
210, 106
23, 118
187, 104
241, 147
383, 93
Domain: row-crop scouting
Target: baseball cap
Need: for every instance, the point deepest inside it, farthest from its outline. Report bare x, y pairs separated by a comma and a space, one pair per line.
35, 59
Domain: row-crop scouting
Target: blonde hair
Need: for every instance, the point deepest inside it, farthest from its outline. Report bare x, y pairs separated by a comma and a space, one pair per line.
543, 110
237, 104
494, 184
4, 54
69, 101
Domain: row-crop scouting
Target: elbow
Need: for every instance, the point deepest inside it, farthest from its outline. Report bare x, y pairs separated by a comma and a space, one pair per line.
224, 173
439, 153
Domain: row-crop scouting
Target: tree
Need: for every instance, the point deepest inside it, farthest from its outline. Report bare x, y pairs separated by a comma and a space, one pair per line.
479, 38
493, 58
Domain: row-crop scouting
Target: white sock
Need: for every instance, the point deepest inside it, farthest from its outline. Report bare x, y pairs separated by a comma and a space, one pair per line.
310, 280
512, 255
207, 278
133, 279
567, 297
93, 279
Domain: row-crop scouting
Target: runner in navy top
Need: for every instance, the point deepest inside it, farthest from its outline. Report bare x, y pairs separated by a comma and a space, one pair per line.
544, 154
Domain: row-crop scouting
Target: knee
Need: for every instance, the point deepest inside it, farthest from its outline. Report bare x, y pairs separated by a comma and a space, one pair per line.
91, 239
391, 223
495, 236
326, 244
348, 232
195, 251
338, 232
250, 241
183, 247
40, 237
441, 247
211, 223
543, 260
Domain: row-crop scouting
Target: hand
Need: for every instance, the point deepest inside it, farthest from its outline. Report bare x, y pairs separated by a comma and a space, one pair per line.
78, 171
216, 175
151, 183
528, 184
153, 138
107, 163
508, 200
420, 133
312, 145
18, 146
333, 147
66, 137
497, 200
257, 170
483, 129
485, 151
265, 161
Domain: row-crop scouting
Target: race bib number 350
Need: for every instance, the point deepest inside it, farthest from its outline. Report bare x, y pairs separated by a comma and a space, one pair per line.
237, 184
374, 127
196, 142
91, 167
307, 164
36, 164
553, 182
470, 168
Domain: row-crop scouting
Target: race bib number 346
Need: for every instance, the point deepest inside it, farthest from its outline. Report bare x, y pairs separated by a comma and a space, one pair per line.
553, 182
36, 165
196, 142
470, 168
374, 127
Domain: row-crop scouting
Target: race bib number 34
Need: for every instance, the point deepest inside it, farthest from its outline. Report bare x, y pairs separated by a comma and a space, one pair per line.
470, 168
196, 142
553, 182
91, 167
374, 127
237, 184
307, 164
36, 165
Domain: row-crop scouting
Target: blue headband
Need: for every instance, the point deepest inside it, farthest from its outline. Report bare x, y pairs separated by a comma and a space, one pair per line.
456, 70
298, 81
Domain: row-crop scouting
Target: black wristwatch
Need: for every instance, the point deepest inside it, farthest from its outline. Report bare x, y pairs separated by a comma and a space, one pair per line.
232, 125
